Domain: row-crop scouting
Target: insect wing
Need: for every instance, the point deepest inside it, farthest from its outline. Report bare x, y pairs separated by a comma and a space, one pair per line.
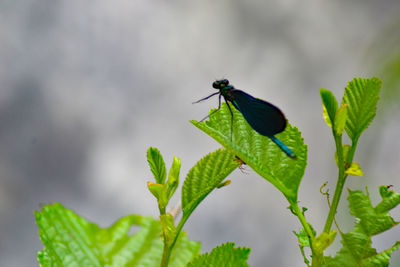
263, 117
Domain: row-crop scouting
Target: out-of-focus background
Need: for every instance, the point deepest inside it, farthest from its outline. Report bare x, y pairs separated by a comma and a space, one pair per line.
87, 86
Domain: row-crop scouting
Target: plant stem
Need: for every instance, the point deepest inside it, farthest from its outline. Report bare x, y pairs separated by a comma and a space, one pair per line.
166, 254
295, 208
303, 220
341, 177
340, 183
168, 249
350, 155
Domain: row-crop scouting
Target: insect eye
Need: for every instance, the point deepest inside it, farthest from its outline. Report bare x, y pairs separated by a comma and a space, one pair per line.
224, 82
220, 83
216, 85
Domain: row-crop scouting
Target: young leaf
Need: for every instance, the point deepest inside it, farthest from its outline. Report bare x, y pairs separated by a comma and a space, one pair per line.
205, 176
258, 151
224, 255
362, 96
340, 119
326, 116
157, 164
173, 177
70, 240
354, 170
159, 191
302, 237
329, 104
390, 199
304, 241
156, 189
357, 249
224, 183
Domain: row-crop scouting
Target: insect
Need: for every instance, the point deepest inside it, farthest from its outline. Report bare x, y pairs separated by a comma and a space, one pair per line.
262, 116
242, 164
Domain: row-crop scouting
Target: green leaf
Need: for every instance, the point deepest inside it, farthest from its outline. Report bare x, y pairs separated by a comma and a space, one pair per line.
157, 164
382, 258
70, 240
258, 151
356, 245
326, 116
362, 96
330, 106
340, 119
304, 241
205, 176
223, 256
159, 191
173, 177
156, 189
390, 199
372, 221
224, 183
354, 169
302, 237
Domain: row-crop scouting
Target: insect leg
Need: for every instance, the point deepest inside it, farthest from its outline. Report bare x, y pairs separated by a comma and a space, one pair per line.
230, 110
219, 106
207, 97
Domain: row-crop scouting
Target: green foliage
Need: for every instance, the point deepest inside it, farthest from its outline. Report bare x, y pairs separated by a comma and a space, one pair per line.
162, 190
157, 164
223, 256
361, 95
390, 199
258, 151
302, 238
303, 242
330, 105
354, 170
173, 177
357, 110
357, 249
70, 240
340, 119
205, 176
158, 192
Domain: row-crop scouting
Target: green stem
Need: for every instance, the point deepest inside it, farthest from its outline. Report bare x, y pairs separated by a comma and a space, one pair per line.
303, 221
341, 178
166, 254
340, 183
295, 208
179, 229
350, 155
168, 249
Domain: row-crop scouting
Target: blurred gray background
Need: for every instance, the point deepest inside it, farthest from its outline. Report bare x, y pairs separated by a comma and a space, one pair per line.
87, 86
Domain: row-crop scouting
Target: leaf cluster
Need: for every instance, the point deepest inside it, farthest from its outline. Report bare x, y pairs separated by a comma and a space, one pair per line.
70, 240
357, 247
